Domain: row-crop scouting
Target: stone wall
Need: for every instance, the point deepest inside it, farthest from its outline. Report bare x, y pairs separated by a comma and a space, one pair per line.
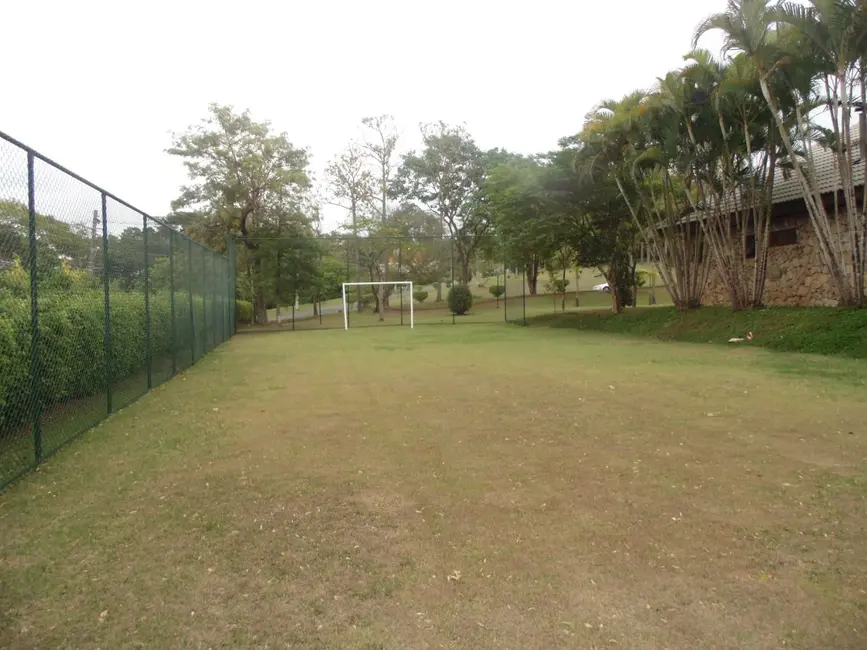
796, 273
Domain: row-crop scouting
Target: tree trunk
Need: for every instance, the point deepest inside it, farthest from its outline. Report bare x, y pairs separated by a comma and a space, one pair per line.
577, 289
533, 276
260, 314
439, 288
616, 299
563, 295
465, 269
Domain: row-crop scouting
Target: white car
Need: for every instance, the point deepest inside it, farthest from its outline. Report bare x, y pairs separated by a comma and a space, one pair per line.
602, 287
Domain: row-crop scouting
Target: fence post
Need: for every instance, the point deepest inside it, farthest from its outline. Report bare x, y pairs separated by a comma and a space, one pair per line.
505, 289
346, 309
232, 288
107, 304
452, 288
192, 311
35, 343
399, 276
172, 301
214, 298
148, 342
204, 306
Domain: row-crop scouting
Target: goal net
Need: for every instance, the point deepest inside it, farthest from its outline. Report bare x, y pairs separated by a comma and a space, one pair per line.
349, 301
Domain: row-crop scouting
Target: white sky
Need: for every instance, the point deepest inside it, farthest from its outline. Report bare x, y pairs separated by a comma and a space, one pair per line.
99, 86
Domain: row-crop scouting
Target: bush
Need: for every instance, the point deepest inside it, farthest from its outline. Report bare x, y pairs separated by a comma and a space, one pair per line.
497, 291
559, 285
243, 312
72, 350
419, 296
460, 299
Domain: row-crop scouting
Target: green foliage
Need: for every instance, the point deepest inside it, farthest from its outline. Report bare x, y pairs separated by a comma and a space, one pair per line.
497, 291
559, 285
419, 295
815, 330
460, 299
72, 344
243, 312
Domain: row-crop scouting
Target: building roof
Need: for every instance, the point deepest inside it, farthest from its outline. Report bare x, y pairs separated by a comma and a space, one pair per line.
787, 188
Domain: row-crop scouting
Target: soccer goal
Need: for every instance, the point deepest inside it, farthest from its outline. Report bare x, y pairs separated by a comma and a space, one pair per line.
406, 283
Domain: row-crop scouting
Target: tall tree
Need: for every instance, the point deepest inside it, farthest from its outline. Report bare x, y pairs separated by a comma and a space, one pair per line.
351, 186
446, 177
380, 145
241, 173
520, 210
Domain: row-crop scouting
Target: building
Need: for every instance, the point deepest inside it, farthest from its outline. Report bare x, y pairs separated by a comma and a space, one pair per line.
796, 273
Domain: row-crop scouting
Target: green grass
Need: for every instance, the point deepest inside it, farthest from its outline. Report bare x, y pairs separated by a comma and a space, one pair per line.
515, 285
815, 330
480, 487
489, 310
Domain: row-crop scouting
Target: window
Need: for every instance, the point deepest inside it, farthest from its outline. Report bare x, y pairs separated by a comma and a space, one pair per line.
787, 237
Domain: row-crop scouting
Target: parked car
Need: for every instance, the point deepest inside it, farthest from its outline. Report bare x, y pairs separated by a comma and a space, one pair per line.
602, 287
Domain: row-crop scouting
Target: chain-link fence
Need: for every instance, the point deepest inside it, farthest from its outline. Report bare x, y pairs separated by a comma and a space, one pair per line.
296, 283
99, 303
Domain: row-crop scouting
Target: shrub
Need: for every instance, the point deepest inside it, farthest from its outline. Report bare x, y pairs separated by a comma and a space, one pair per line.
243, 312
72, 350
419, 296
497, 291
460, 299
559, 285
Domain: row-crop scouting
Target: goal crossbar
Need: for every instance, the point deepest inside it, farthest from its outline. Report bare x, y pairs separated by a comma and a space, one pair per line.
378, 284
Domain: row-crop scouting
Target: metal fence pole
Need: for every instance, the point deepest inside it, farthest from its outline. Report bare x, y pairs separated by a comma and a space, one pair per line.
399, 276
230, 313
505, 289
204, 306
345, 303
148, 343
192, 310
452, 288
231, 289
35, 343
213, 299
172, 301
107, 304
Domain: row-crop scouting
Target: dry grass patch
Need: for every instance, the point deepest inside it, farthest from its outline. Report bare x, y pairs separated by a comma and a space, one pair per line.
457, 488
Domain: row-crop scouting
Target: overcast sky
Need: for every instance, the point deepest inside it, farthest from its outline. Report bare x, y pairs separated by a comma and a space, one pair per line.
100, 86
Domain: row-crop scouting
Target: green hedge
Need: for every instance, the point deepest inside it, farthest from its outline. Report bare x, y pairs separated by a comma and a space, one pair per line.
73, 344
243, 312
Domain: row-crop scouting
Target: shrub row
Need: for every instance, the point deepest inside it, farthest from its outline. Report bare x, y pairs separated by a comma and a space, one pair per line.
72, 347
243, 312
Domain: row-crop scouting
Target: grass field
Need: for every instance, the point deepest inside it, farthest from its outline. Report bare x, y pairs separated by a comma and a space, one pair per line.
477, 487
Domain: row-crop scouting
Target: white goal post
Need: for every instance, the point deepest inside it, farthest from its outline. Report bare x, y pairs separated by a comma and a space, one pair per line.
377, 284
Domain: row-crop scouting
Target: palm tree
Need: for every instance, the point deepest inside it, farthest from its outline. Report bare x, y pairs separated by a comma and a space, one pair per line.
636, 143
799, 52
734, 156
